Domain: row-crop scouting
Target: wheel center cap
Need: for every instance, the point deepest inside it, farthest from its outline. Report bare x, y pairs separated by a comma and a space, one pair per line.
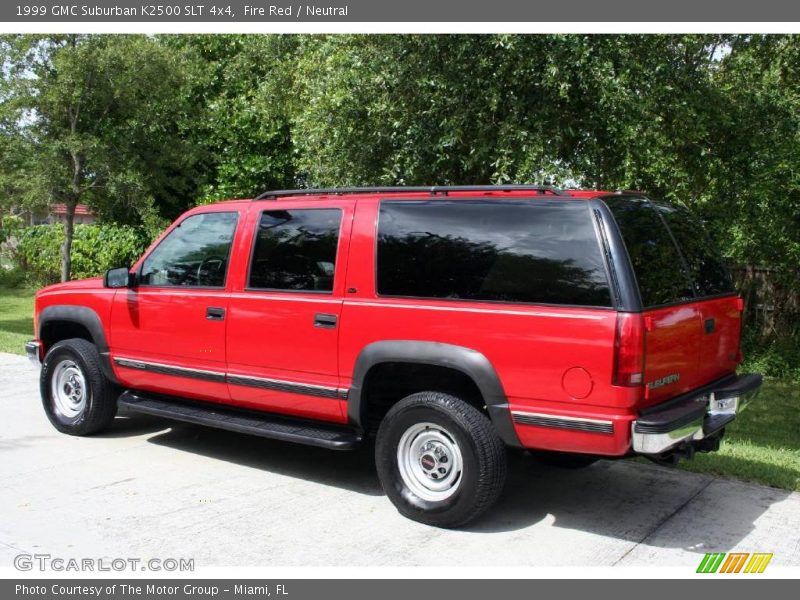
427, 462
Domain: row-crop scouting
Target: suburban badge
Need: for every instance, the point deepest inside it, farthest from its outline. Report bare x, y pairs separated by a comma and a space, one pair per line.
666, 380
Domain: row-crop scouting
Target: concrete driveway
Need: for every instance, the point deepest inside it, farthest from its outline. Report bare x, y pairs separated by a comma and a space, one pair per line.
151, 488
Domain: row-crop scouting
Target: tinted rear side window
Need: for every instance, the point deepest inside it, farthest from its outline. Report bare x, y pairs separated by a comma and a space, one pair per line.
666, 272
525, 251
708, 272
658, 266
296, 250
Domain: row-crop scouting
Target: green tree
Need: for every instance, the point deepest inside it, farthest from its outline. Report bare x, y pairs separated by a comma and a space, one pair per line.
245, 89
153, 122
600, 110
99, 120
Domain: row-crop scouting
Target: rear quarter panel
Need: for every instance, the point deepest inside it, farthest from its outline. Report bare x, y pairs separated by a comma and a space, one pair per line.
530, 346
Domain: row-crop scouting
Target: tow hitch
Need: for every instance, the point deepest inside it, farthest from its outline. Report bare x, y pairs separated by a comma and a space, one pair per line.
687, 450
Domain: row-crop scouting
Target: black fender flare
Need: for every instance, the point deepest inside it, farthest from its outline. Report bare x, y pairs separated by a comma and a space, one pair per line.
466, 360
87, 317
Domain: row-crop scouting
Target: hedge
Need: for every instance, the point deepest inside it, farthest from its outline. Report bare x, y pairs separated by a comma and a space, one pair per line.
95, 248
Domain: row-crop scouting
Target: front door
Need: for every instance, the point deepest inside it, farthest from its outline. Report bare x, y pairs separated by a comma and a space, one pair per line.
168, 332
283, 323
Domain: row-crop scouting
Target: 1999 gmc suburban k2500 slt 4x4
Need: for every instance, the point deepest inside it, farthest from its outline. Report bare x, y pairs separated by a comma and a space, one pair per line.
448, 322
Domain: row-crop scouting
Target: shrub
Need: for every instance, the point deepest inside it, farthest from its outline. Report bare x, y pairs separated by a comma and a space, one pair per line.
11, 278
9, 226
776, 357
95, 248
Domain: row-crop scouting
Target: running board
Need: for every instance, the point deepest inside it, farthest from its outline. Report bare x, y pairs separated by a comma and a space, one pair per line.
311, 433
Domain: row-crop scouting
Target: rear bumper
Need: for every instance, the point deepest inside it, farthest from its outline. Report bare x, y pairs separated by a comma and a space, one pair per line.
33, 350
693, 417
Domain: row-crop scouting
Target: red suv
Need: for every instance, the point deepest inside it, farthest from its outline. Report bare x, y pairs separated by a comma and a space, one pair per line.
446, 322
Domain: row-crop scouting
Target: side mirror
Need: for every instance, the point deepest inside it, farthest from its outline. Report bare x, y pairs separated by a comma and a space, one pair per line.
118, 278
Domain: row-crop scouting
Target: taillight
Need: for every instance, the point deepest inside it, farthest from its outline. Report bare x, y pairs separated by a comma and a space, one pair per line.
740, 307
629, 350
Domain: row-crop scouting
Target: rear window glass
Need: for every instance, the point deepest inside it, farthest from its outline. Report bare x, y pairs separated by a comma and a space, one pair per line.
492, 251
658, 266
295, 250
708, 272
664, 274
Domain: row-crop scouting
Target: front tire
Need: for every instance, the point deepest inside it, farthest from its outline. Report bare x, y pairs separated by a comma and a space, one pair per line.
439, 459
77, 397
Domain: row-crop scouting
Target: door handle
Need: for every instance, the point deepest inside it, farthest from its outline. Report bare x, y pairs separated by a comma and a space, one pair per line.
324, 320
709, 326
215, 314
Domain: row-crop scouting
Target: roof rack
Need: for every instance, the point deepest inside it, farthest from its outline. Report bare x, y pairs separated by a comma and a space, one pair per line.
436, 190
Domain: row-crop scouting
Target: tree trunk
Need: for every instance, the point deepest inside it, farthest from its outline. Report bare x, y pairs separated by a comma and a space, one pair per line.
70, 202
66, 248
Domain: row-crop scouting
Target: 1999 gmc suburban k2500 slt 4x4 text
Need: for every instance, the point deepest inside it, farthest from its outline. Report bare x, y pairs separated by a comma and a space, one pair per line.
448, 322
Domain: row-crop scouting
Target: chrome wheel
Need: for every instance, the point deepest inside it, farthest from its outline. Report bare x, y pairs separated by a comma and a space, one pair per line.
68, 389
429, 461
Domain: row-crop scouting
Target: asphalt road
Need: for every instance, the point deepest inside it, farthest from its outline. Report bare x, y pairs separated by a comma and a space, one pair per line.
152, 488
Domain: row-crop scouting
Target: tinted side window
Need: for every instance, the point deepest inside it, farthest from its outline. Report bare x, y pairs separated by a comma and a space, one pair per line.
296, 250
709, 274
194, 254
507, 251
658, 266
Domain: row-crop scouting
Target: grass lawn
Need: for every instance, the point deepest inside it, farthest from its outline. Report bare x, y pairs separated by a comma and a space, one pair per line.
16, 319
763, 445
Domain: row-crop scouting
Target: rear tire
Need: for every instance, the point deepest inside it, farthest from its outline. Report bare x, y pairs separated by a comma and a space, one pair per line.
77, 397
439, 459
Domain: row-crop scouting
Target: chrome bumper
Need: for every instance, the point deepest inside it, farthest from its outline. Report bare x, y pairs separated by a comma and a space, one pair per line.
694, 417
33, 349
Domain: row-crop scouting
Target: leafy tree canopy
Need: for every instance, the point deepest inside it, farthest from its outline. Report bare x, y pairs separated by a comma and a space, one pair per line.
142, 127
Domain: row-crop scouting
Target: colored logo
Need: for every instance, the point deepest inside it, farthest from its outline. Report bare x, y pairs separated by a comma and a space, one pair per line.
734, 562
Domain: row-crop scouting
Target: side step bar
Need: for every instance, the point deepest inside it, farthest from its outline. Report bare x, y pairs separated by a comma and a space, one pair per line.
311, 433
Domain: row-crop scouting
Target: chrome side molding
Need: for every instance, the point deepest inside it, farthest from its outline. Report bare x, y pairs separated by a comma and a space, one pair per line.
306, 389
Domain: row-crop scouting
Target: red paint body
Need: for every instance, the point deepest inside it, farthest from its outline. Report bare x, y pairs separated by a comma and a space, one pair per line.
542, 354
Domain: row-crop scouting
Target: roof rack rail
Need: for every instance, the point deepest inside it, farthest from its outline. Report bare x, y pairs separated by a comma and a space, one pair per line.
436, 190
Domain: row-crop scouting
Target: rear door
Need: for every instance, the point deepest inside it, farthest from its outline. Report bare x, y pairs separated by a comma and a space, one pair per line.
672, 321
718, 305
283, 325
